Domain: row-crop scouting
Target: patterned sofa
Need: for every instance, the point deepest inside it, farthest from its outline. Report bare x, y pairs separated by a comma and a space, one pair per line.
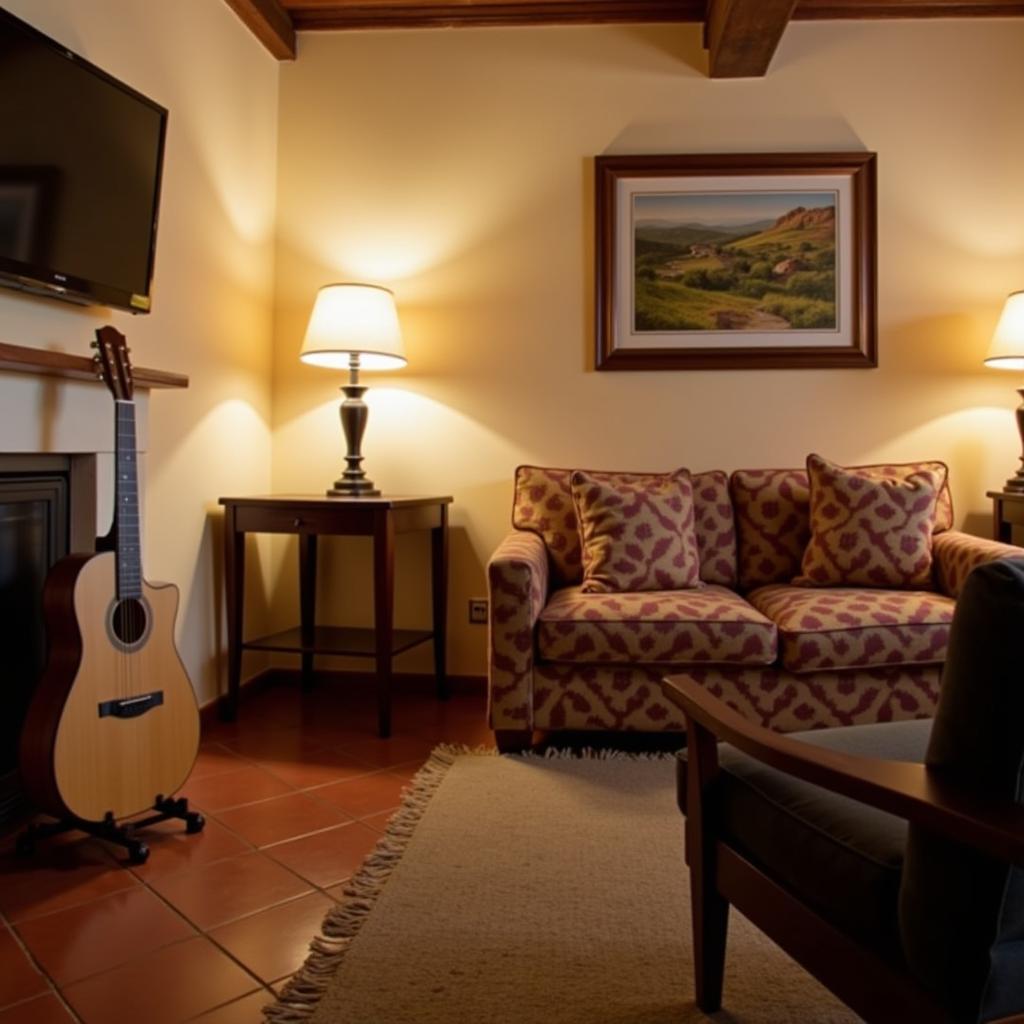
788, 657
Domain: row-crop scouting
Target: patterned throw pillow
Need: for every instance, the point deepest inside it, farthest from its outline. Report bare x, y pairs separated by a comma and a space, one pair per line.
637, 531
870, 530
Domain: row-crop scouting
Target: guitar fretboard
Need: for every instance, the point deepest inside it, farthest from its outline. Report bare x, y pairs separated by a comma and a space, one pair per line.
126, 496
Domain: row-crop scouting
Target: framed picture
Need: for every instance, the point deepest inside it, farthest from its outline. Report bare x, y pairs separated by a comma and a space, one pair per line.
736, 261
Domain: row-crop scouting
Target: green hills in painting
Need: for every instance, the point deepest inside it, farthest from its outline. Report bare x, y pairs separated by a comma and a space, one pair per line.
766, 275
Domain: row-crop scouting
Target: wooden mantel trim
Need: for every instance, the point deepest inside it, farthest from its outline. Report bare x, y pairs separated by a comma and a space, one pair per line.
270, 23
61, 364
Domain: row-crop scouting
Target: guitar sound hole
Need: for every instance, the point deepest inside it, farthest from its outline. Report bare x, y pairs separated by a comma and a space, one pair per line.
129, 621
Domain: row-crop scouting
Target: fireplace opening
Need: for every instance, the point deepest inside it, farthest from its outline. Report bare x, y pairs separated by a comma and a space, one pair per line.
47, 510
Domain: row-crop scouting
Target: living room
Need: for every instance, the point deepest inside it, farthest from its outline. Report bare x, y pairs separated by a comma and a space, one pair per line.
457, 168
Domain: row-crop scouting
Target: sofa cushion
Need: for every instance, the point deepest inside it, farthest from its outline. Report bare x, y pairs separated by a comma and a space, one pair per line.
711, 625
543, 505
836, 855
636, 530
773, 525
853, 627
868, 528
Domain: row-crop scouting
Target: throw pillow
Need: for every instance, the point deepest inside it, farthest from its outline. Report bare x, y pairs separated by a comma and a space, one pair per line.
637, 531
870, 529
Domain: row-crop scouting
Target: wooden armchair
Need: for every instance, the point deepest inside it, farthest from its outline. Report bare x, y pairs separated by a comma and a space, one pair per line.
886, 859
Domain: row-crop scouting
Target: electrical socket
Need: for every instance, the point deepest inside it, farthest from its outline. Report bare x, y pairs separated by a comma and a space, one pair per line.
478, 610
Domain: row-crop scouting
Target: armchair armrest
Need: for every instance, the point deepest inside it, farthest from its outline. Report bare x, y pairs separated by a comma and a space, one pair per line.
517, 582
913, 792
956, 554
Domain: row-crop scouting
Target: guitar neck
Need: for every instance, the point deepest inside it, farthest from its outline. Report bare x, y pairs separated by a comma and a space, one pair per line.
126, 497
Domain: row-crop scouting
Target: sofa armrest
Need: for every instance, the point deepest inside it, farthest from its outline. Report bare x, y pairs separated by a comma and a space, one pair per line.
956, 554
517, 583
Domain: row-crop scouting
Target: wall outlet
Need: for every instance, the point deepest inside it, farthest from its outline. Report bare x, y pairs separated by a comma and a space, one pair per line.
478, 610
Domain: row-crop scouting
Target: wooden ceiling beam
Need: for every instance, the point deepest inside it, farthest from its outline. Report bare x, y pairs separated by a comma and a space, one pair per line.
834, 10
741, 36
270, 23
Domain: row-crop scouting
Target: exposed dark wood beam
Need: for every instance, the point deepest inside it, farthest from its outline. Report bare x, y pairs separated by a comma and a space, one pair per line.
832, 10
270, 23
741, 36
311, 14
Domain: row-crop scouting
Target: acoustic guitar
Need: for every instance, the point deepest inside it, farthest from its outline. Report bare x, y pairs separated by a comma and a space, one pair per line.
113, 727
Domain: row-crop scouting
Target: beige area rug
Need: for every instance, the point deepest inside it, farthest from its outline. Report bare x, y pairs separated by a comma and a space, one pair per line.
535, 889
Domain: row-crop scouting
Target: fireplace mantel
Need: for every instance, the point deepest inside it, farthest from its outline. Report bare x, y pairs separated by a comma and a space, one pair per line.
23, 359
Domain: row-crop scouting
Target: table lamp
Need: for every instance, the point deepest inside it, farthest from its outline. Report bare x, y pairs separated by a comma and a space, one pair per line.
1007, 353
354, 326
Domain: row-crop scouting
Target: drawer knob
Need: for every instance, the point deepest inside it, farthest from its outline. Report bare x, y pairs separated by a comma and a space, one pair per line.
296, 521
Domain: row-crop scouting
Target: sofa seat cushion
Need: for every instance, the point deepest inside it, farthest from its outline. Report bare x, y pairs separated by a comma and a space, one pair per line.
855, 627
710, 625
836, 855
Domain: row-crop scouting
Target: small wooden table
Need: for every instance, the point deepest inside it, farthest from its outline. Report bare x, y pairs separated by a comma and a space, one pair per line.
1007, 512
309, 516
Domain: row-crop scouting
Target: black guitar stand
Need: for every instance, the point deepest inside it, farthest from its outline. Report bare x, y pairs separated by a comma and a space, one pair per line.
110, 831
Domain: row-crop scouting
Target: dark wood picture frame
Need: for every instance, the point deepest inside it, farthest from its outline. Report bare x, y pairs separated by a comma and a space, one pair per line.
857, 246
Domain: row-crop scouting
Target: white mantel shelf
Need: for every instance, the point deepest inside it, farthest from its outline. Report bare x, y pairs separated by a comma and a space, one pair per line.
61, 364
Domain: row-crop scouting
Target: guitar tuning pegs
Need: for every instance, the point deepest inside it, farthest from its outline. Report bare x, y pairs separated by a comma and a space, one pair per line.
94, 344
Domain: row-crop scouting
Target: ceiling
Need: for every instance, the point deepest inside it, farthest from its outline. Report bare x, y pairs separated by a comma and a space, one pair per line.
740, 35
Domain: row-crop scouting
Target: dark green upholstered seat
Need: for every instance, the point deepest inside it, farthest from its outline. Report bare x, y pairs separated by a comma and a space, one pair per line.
841, 858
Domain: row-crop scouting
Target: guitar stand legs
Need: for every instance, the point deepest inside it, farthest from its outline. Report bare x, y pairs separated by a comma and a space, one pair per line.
110, 831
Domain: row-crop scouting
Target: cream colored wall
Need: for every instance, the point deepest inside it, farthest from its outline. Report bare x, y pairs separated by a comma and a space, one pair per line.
213, 288
457, 167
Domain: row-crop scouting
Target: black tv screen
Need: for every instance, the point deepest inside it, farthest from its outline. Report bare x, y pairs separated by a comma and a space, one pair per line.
80, 162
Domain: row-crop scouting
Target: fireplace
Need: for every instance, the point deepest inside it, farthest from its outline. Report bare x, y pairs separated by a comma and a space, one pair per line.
47, 509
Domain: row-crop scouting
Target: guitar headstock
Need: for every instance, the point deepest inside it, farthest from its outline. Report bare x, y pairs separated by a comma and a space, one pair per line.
113, 363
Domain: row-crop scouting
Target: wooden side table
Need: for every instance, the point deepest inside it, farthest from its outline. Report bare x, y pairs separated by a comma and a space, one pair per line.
309, 516
1007, 512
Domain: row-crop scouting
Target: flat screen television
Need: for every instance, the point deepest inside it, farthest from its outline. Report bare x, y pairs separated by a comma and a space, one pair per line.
81, 156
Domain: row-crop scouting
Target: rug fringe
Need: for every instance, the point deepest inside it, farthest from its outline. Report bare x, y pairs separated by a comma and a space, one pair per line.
298, 1000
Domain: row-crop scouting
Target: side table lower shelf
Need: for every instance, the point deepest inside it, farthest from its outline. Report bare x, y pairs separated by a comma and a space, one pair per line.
344, 641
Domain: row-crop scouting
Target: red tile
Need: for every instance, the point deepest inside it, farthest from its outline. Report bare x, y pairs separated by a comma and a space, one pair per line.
243, 786
74, 943
19, 977
314, 768
397, 750
214, 759
281, 818
246, 1010
327, 857
171, 848
46, 1009
214, 894
59, 875
275, 942
174, 984
363, 797
379, 822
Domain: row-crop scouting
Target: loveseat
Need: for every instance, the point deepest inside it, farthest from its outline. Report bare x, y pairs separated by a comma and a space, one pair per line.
787, 657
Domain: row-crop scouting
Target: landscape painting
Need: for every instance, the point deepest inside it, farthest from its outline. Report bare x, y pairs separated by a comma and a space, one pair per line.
734, 261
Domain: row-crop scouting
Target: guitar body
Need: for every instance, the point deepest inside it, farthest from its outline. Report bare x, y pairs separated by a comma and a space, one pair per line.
114, 722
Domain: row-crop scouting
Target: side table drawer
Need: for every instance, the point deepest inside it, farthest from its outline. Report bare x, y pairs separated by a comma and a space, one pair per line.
271, 519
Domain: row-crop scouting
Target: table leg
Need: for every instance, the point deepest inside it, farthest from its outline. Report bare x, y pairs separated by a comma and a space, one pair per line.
383, 613
307, 602
439, 589
234, 594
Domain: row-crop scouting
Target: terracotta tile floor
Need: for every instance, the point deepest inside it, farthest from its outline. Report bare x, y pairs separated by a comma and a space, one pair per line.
296, 793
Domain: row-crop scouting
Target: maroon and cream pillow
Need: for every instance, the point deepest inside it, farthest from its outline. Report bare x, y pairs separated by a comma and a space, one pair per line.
636, 530
870, 529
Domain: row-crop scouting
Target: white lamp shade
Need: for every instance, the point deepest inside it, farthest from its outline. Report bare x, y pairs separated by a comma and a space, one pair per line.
1007, 349
354, 318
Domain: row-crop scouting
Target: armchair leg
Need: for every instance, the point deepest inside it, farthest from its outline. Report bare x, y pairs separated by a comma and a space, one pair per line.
513, 741
710, 927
